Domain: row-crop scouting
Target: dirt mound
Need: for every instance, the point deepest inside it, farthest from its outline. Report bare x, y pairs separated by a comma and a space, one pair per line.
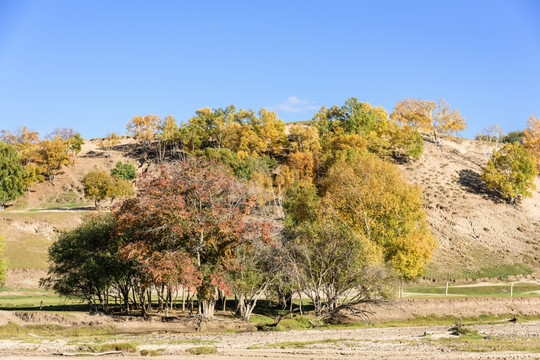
459, 307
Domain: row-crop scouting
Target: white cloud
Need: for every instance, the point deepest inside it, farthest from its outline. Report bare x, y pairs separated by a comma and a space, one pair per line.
295, 105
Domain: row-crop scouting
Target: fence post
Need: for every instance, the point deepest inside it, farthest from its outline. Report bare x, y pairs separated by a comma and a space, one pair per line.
511, 289
446, 293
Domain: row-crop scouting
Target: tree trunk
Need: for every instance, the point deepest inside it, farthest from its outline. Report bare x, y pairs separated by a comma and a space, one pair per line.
207, 308
241, 306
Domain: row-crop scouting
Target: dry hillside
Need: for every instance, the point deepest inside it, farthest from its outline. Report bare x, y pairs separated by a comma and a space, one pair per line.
478, 235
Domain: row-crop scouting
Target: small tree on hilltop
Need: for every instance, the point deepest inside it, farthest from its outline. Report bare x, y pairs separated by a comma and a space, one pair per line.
510, 172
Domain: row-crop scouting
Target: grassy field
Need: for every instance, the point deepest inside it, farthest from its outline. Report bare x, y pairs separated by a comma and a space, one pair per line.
28, 235
499, 290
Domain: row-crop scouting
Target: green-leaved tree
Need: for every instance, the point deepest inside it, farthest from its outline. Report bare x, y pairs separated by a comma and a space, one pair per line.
12, 174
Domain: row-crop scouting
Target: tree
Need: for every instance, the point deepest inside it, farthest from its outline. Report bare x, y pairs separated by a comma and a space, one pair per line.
85, 262
53, 154
510, 172
492, 133
405, 143
513, 136
531, 138
169, 137
99, 185
384, 211
304, 138
124, 170
144, 129
192, 208
428, 116
108, 142
12, 174
353, 117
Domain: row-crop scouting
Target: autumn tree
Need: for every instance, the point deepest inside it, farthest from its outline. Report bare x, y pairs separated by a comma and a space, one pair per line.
194, 209
108, 142
432, 117
169, 137
354, 117
304, 138
27, 143
385, 212
531, 138
12, 174
510, 172
144, 128
53, 154
99, 186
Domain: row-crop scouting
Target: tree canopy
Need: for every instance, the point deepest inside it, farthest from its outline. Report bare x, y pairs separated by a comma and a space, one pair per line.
12, 174
510, 172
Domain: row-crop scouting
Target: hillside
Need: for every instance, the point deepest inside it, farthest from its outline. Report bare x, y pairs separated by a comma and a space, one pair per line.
478, 235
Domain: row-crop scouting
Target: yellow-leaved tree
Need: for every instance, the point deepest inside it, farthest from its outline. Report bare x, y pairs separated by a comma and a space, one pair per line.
144, 128
531, 138
435, 118
370, 196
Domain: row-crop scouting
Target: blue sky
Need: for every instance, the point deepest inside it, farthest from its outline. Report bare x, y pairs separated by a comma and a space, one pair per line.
92, 65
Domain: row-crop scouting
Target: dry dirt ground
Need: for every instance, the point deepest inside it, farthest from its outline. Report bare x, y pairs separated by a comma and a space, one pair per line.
172, 340
372, 343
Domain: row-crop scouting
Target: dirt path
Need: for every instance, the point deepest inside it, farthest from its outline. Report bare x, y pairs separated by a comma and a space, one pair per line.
372, 343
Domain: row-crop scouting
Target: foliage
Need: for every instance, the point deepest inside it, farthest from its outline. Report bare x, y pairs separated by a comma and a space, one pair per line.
195, 212
357, 125
513, 136
241, 131
304, 138
124, 170
144, 128
385, 212
108, 142
53, 154
531, 138
99, 185
85, 262
510, 172
12, 174
428, 116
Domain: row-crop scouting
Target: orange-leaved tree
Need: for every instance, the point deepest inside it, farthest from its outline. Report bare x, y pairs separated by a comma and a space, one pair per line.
193, 209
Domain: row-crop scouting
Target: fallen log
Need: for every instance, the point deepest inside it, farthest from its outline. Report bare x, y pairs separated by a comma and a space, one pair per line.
89, 353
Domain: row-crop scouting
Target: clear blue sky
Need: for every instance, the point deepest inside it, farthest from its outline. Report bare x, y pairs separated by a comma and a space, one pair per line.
92, 65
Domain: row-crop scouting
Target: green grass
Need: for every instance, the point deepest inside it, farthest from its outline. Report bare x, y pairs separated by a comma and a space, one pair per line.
12, 330
119, 346
26, 302
202, 350
501, 290
24, 247
499, 271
